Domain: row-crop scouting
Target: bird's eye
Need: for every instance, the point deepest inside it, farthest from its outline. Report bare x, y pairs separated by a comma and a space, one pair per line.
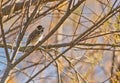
42, 30
39, 27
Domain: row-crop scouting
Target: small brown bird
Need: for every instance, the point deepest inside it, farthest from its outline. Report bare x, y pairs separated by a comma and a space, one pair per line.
35, 36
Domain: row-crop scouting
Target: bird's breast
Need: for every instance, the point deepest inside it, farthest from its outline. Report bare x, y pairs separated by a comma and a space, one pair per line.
36, 39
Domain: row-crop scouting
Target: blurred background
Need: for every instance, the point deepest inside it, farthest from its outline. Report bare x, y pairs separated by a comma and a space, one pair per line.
90, 29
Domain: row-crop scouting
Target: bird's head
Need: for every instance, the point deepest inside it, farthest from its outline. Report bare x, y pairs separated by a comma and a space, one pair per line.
40, 28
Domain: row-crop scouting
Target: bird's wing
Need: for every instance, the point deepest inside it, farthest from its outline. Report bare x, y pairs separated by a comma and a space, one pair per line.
31, 37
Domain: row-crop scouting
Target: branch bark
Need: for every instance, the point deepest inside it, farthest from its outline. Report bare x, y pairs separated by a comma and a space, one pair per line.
7, 70
18, 6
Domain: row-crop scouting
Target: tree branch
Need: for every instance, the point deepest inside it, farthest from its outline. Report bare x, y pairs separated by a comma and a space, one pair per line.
3, 36
78, 39
50, 33
7, 70
18, 6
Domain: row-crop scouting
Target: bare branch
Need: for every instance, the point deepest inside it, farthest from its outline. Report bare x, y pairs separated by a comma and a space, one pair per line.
18, 6
3, 35
51, 33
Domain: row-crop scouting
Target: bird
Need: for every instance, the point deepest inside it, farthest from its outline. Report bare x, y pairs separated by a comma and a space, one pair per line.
35, 36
